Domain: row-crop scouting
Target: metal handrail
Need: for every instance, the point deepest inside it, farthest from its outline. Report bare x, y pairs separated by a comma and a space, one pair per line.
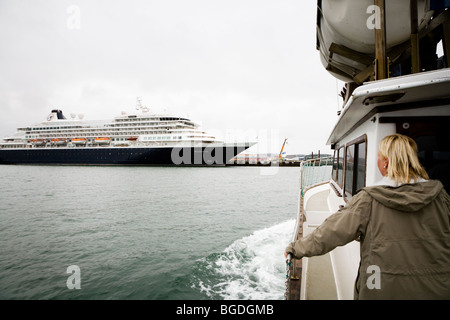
309, 177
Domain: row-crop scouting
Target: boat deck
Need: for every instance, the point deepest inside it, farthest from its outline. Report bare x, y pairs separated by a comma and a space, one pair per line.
318, 282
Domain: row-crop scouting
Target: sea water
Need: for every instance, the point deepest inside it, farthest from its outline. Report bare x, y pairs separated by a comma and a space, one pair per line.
159, 233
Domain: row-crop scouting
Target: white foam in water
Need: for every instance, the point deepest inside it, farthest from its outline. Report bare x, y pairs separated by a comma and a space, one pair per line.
252, 268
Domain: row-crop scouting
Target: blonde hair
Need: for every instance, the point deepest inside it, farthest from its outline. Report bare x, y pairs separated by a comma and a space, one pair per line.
404, 164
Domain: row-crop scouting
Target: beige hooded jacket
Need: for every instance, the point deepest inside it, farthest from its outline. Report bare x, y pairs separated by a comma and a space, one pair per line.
405, 240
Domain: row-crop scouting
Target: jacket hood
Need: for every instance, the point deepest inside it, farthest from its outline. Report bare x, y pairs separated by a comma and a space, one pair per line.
407, 197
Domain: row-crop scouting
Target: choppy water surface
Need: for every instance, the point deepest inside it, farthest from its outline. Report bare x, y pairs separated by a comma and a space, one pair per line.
145, 232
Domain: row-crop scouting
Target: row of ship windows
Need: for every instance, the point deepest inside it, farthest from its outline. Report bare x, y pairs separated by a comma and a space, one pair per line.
98, 130
139, 122
150, 138
43, 135
134, 118
126, 139
85, 152
160, 138
136, 124
12, 146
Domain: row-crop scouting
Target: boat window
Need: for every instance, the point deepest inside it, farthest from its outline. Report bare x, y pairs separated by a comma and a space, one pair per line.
335, 165
340, 173
355, 166
338, 166
433, 143
333, 173
361, 165
352, 157
349, 169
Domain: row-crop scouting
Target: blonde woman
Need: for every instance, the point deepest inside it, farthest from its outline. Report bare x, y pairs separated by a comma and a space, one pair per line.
401, 153
403, 227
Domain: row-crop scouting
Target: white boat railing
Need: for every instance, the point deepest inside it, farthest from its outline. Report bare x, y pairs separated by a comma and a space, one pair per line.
313, 172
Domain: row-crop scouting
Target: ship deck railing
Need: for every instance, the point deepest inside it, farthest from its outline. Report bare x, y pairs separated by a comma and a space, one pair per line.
315, 175
330, 276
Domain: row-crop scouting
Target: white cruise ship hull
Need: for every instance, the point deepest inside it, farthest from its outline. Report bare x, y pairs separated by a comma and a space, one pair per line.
135, 139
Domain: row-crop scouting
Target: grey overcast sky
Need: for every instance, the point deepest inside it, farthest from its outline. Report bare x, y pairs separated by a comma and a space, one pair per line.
242, 68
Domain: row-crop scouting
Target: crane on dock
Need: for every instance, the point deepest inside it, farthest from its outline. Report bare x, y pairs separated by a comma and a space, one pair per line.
280, 157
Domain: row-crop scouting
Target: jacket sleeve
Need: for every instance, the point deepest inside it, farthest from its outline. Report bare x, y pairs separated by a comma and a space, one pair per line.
342, 227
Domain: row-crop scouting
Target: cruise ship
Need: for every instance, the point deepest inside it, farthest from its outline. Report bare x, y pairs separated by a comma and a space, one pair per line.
129, 139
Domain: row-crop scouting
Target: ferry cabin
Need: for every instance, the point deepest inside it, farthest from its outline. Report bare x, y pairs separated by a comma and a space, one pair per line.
414, 105
414, 102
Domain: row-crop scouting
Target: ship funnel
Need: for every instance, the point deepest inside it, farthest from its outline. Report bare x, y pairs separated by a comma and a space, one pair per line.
56, 114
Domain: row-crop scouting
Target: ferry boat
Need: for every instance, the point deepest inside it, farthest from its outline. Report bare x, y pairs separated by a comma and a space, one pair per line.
399, 86
136, 139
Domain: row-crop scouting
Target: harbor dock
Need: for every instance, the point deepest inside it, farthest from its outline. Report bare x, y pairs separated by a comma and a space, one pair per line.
267, 160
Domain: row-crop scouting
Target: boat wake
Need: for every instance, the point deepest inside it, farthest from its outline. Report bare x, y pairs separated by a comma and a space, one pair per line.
251, 268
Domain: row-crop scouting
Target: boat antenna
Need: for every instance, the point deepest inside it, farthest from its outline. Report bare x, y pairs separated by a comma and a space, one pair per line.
139, 105
337, 97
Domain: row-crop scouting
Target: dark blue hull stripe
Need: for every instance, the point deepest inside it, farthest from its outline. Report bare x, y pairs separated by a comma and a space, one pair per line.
122, 156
